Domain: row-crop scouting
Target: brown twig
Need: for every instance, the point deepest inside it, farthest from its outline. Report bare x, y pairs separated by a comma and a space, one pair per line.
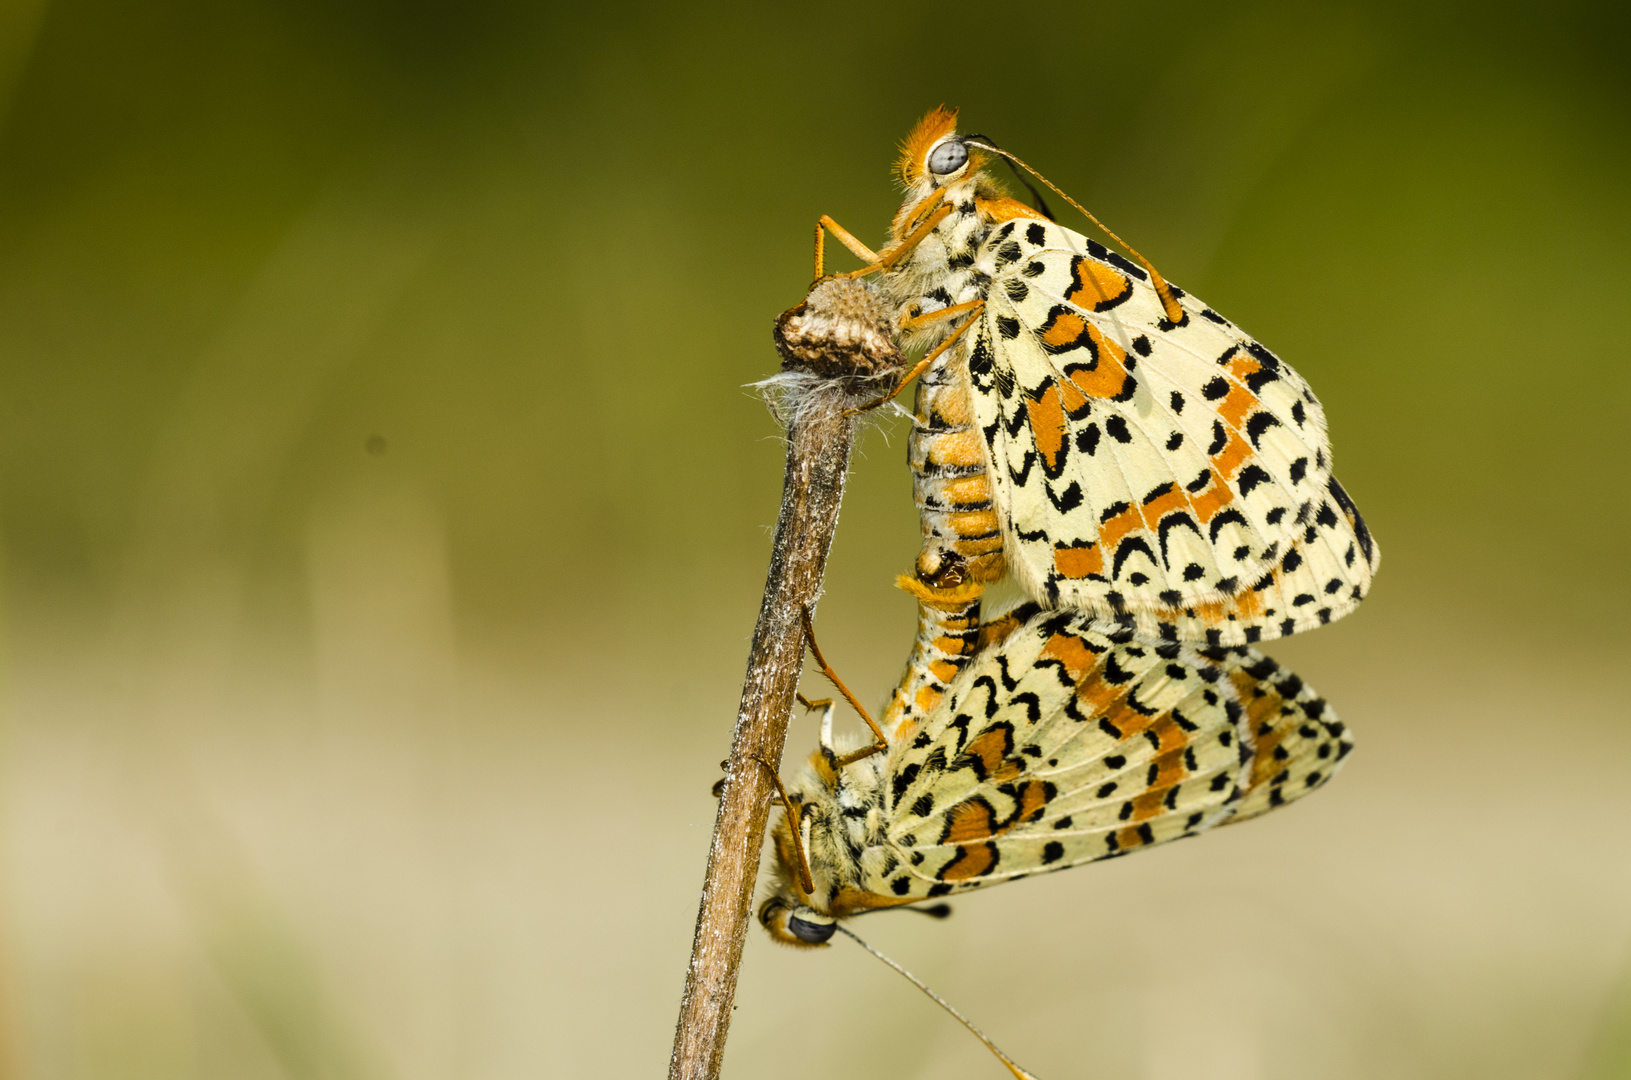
837, 358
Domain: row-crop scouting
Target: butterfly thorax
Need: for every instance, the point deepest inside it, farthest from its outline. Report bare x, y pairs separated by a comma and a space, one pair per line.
940, 272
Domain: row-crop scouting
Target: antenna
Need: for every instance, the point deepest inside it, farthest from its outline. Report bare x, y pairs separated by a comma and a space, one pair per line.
1169, 305
1041, 203
1019, 1073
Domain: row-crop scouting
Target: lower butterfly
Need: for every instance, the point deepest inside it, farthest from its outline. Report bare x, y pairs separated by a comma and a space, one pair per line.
1062, 741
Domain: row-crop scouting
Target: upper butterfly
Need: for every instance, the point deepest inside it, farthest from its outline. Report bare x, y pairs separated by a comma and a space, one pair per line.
1148, 461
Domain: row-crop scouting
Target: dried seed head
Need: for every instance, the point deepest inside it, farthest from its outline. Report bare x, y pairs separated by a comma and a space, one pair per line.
841, 330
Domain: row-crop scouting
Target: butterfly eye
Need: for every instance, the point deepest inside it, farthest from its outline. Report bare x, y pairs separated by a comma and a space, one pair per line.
947, 158
813, 932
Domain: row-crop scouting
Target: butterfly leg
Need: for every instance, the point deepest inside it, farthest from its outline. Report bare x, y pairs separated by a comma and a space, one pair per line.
827, 225
899, 251
880, 743
918, 321
932, 205
922, 319
795, 819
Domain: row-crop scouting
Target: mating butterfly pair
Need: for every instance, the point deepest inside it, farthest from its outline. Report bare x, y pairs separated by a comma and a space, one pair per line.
1161, 487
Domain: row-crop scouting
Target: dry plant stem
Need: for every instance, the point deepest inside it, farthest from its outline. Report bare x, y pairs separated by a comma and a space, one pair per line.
817, 460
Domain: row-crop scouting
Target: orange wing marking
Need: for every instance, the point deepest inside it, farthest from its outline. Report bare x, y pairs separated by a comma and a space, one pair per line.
1047, 419
1097, 287
971, 862
972, 820
1079, 561
991, 748
998, 630
1106, 376
1235, 405
1064, 330
1262, 705
1212, 498
1079, 658
1127, 521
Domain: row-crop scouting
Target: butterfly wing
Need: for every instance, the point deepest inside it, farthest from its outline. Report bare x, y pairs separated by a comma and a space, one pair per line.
1298, 740
1063, 745
1174, 476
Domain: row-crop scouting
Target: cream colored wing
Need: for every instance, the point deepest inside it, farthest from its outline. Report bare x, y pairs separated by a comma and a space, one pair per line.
1174, 476
1065, 744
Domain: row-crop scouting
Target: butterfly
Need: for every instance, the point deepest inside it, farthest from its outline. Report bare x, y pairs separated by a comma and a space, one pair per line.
1064, 740
1039, 740
1084, 425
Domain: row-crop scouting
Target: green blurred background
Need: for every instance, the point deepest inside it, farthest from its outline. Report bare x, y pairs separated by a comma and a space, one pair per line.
384, 519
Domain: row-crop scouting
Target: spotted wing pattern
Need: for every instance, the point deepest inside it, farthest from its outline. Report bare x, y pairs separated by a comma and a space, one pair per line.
1175, 476
1069, 741
1298, 741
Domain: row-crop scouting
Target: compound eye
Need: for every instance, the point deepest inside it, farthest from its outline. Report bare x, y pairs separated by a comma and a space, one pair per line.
814, 933
948, 157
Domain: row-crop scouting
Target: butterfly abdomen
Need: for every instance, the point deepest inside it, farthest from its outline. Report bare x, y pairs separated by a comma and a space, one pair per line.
962, 534
947, 637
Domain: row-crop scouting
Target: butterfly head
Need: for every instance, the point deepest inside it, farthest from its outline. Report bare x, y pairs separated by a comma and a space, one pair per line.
793, 923
932, 154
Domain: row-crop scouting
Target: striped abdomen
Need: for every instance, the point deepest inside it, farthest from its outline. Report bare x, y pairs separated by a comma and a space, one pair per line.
962, 543
962, 537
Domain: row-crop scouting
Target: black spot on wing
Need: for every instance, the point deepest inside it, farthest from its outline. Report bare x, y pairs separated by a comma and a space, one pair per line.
1125, 550
1260, 378
1259, 422
1250, 477
1104, 254
1159, 491
1177, 520
1230, 516
903, 780
1351, 512
1067, 500
980, 362
1263, 356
